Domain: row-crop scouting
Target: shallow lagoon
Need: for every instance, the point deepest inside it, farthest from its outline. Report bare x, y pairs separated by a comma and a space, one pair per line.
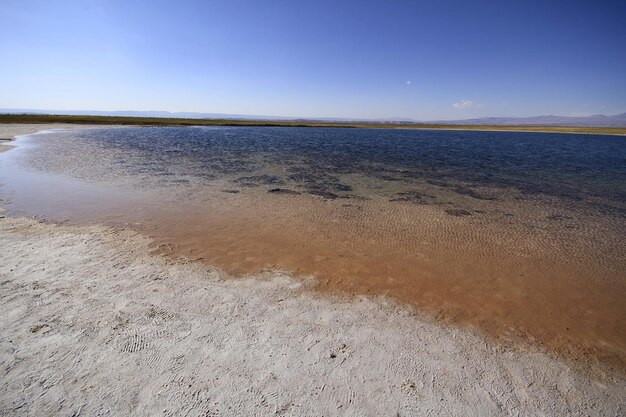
521, 234
571, 166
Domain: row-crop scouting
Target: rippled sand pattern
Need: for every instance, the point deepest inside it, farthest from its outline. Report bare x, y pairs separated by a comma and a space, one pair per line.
520, 244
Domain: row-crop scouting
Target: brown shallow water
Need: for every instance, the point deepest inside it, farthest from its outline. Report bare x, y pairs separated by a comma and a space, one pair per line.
518, 268
509, 280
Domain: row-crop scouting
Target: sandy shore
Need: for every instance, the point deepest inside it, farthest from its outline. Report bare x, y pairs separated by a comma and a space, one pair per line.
92, 324
8, 132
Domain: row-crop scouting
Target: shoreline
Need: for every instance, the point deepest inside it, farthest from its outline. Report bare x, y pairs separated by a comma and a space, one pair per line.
11, 131
165, 122
92, 309
514, 129
85, 295
233, 249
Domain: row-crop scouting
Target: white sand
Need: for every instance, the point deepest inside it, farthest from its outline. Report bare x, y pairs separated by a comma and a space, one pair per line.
91, 324
9, 131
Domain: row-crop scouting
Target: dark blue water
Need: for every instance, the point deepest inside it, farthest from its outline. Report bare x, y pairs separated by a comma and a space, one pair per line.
572, 167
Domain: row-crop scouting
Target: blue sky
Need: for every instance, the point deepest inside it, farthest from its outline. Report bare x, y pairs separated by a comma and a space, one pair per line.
423, 60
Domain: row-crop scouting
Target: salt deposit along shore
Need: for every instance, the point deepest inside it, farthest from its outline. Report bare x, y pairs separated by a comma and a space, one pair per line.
93, 324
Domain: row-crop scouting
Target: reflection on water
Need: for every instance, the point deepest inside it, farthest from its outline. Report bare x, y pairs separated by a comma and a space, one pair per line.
520, 233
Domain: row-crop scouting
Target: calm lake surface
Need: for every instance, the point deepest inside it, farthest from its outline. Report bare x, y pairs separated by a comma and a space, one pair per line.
522, 234
358, 162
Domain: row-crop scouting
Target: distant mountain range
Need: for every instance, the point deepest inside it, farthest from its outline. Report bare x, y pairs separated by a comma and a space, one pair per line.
598, 120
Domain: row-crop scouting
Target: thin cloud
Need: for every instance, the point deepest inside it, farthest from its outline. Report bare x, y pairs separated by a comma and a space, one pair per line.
464, 104
408, 83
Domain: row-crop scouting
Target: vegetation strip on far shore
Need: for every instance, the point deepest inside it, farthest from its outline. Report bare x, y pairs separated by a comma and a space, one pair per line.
167, 121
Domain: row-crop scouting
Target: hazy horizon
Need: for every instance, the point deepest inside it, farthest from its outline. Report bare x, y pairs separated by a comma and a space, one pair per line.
165, 113
354, 60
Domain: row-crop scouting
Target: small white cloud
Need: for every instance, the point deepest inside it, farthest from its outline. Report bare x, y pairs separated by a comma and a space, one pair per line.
464, 104
408, 83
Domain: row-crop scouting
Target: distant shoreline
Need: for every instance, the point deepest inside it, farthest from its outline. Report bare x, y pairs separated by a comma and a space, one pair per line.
162, 121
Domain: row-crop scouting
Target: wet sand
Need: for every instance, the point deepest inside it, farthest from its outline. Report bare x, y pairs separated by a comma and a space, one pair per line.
93, 324
526, 272
5, 145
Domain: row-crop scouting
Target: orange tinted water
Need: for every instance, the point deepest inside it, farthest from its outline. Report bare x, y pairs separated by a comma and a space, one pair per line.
508, 279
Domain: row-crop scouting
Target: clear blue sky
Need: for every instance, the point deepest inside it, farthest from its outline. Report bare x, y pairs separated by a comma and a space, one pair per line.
424, 60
